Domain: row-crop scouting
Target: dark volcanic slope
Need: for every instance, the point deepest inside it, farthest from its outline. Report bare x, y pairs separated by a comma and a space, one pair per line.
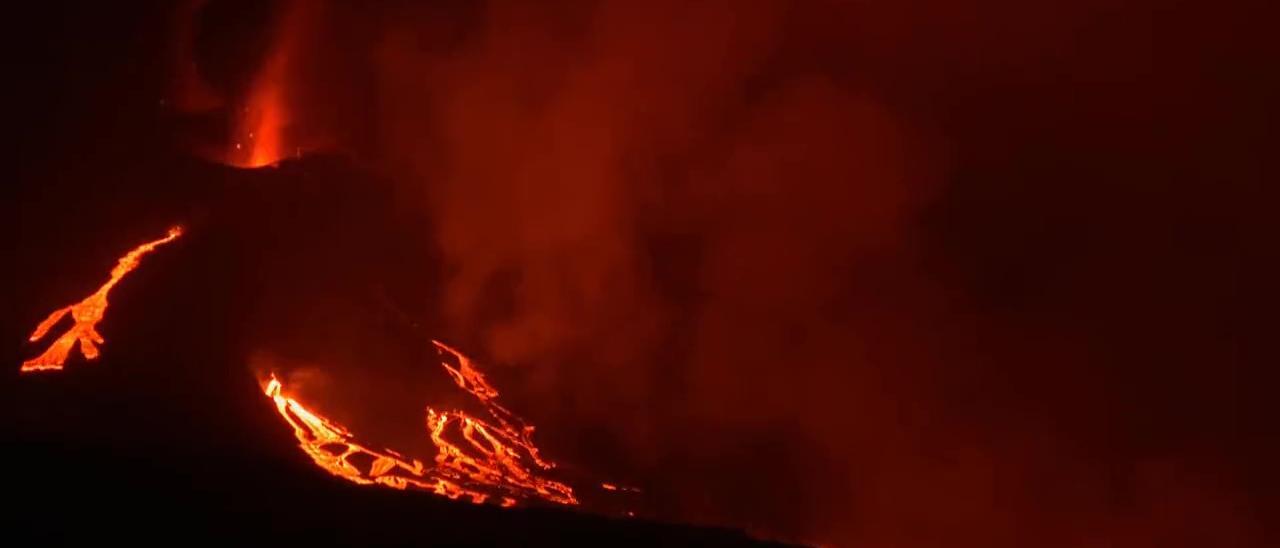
167, 436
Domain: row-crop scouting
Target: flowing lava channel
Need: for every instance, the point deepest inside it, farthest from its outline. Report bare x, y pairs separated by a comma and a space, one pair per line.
86, 315
479, 460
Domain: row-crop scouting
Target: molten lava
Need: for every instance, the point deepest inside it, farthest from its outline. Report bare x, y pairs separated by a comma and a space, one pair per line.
86, 314
476, 460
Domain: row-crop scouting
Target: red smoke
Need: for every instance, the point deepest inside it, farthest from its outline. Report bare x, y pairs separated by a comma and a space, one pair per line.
828, 271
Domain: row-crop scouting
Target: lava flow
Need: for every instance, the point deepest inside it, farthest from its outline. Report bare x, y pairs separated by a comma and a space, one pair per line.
86, 314
475, 460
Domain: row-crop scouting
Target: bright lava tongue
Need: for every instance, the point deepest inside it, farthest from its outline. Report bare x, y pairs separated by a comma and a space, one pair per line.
87, 314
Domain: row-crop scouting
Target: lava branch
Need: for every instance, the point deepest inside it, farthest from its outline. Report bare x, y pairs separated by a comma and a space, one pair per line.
475, 459
86, 314
468, 378
488, 458
332, 448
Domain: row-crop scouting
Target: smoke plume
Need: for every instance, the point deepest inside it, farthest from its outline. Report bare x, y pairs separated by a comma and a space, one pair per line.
831, 271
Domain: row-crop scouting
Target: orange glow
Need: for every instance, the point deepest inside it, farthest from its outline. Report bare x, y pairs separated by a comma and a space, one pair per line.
476, 460
86, 314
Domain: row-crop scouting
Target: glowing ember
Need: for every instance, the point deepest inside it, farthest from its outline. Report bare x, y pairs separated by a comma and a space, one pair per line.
475, 460
614, 487
86, 314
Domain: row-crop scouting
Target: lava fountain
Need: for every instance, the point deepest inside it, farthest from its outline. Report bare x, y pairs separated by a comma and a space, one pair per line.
260, 125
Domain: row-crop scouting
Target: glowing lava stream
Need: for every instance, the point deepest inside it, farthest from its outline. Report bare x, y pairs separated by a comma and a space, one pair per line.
475, 459
87, 313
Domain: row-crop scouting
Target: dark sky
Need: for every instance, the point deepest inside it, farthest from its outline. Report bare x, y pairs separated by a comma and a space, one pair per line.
922, 273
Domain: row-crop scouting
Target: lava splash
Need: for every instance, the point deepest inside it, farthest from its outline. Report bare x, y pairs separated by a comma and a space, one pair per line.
477, 460
87, 314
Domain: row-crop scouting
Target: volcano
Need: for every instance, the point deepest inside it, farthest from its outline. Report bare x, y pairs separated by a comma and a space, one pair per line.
167, 432
502, 272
